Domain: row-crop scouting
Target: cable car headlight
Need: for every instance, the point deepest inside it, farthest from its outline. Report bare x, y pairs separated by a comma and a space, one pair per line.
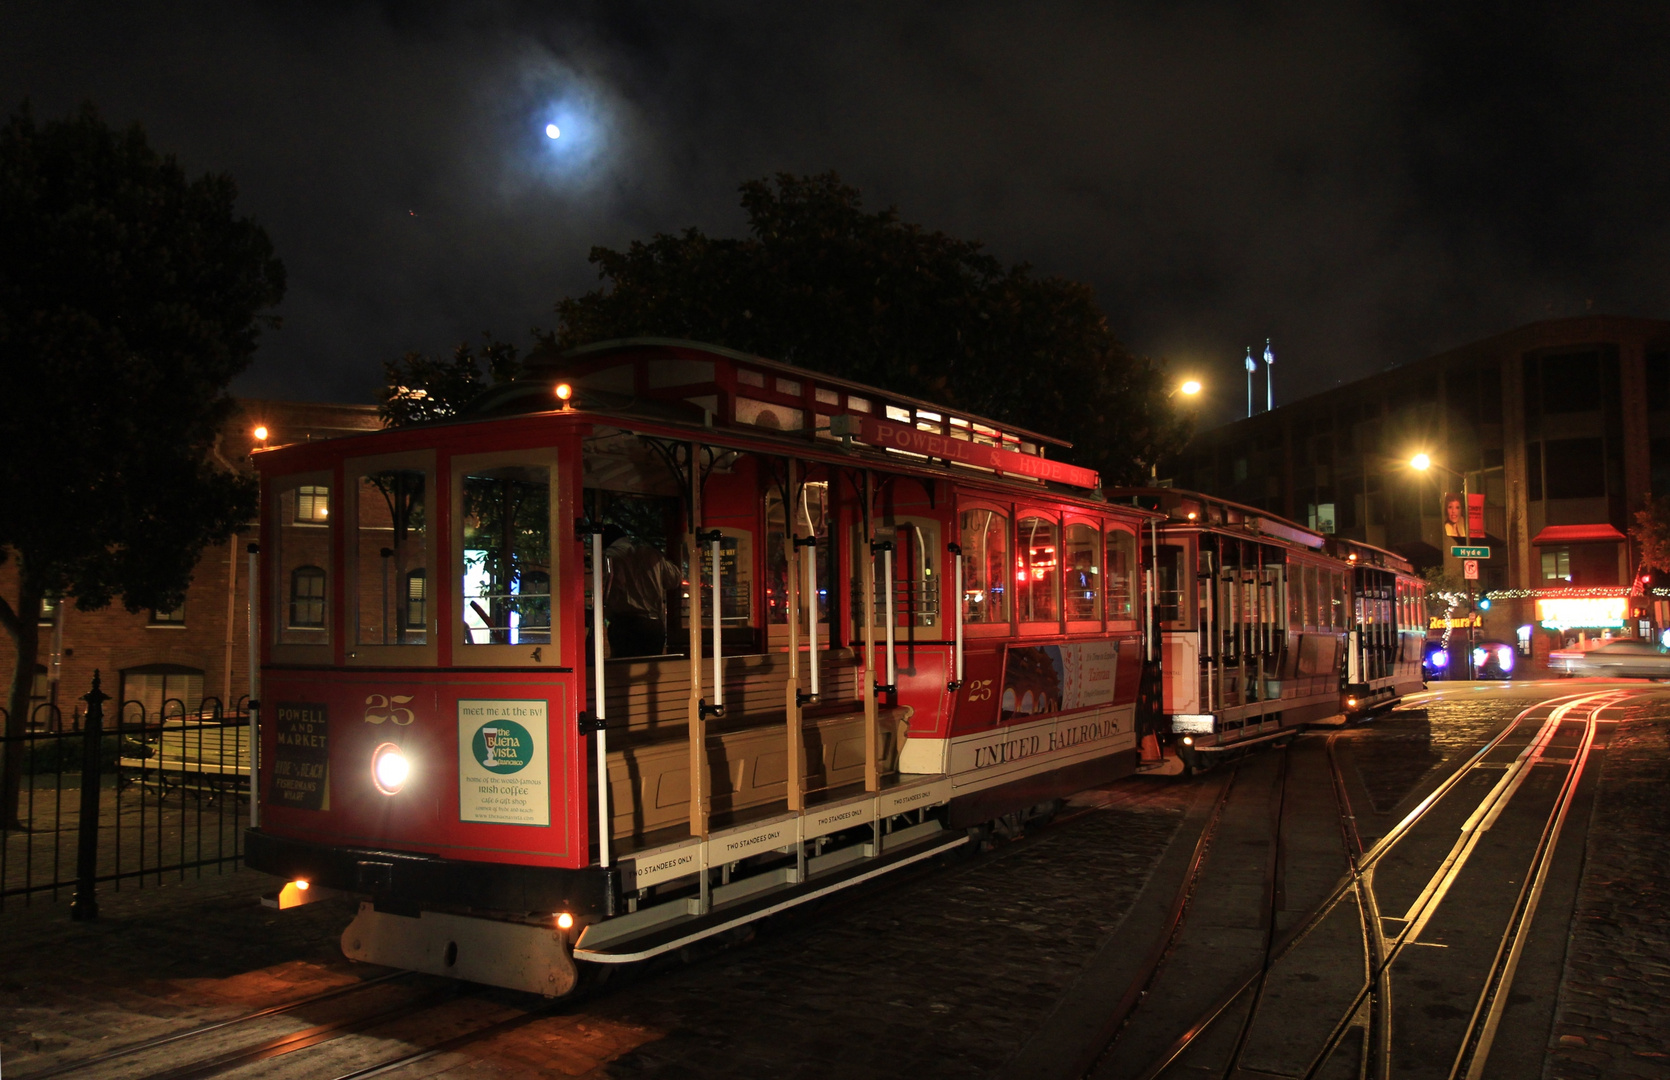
389, 768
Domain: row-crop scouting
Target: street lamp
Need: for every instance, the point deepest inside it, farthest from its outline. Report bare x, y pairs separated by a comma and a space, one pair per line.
1423, 462
1189, 388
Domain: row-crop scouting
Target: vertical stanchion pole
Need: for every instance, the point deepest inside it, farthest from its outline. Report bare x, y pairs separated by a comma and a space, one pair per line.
697, 709
956, 551
792, 697
85, 906
254, 705
599, 710
872, 771
718, 641
812, 604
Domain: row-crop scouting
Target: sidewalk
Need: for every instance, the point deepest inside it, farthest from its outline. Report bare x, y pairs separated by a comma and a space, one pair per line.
1615, 999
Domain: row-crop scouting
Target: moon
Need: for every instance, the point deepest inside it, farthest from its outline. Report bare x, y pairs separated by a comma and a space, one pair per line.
552, 132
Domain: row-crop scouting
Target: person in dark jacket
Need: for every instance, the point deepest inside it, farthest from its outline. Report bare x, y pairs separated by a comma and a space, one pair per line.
638, 579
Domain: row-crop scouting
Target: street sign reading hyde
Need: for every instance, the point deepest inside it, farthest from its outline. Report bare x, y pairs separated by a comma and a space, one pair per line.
1469, 553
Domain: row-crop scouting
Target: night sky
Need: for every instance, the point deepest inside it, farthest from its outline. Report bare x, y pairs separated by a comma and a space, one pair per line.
1364, 183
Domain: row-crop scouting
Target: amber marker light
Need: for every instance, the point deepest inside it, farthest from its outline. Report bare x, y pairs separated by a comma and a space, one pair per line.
564, 392
300, 883
565, 921
260, 433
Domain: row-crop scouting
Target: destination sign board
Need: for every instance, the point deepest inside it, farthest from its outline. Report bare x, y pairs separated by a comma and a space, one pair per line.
1469, 553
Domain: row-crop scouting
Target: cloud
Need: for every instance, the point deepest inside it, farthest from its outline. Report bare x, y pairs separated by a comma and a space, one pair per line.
1363, 182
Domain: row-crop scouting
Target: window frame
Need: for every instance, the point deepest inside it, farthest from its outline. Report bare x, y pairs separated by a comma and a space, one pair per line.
1134, 581
468, 654
1006, 627
1057, 625
1096, 624
276, 579
355, 654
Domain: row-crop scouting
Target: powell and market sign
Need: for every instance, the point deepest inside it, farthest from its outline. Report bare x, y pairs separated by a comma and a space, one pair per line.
882, 433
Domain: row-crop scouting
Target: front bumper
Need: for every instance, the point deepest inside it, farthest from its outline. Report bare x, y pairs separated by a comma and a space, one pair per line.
426, 881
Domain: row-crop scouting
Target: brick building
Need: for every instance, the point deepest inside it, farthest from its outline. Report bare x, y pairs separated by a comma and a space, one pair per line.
198, 653
1563, 425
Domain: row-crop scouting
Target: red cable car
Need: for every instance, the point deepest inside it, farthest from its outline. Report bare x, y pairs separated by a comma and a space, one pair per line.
839, 631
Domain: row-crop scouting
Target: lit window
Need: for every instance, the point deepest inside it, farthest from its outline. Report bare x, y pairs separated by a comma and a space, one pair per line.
49, 610
417, 600
788, 386
1121, 573
1556, 564
1037, 569
307, 597
313, 503
1083, 581
985, 543
896, 413
858, 404
749, 378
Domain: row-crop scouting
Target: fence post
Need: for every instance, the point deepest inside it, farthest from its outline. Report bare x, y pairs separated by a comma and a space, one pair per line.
85, 906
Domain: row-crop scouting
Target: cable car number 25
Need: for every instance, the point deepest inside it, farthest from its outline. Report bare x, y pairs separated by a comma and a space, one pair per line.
384, 707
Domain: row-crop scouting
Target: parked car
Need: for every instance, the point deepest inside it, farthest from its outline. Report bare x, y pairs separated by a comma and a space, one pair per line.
1625, 659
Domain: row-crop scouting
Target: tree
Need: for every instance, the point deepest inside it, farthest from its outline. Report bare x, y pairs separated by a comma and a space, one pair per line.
419, 388
822, 283
1651, 533
130, 296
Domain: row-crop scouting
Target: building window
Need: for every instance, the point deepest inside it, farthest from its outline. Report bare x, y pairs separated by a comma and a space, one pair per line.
162, 690
1575, 469
307, 597
313, 504
172, 617
49, 610
1556, 564
417, 600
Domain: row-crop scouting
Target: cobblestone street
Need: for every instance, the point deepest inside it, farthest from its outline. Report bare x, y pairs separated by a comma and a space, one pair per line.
947, 971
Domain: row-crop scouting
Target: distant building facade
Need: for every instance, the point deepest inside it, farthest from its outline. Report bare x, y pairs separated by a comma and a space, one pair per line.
199, 652
1563, 426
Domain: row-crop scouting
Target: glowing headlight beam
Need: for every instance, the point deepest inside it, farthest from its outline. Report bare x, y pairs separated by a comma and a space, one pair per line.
552, 131
389, 768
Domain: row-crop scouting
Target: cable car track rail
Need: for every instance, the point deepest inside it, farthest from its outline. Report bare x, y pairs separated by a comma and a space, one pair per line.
1380, 953
212, 1026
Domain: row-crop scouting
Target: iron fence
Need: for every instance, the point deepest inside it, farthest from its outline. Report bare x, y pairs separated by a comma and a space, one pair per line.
124, 797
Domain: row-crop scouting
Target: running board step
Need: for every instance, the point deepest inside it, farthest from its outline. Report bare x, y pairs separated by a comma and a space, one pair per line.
681, 930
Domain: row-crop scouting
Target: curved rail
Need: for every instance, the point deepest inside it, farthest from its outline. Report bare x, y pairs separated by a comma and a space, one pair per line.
1357, 882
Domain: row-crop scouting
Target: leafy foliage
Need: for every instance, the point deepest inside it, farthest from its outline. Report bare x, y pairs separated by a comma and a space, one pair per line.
822, 283
419, 388
1651, 533
130, 296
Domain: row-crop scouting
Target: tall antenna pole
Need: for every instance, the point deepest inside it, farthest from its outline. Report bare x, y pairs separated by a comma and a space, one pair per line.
1252, 366
1269, 376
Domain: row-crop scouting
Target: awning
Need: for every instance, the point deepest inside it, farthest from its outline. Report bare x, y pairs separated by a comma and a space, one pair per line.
1577, 534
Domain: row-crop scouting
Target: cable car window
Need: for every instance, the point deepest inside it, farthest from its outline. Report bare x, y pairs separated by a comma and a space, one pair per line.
1083, 582
1121, 573
1313, 599
916, 572
736, 580
1038, 570
1336, 613
505, 585
811, 519
392, 545
303, 552
985, 544
307, 598
1172, 584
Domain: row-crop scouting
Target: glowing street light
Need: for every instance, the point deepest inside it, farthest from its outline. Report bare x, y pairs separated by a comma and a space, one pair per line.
1421, 462
1191, 387
552, 131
